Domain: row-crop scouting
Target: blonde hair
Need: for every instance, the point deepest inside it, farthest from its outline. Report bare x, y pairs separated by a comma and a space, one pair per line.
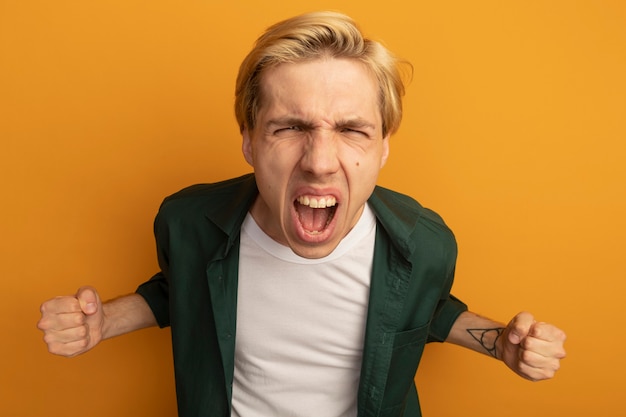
316, 35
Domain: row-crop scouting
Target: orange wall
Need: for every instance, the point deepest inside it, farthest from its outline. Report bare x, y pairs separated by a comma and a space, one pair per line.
514, 132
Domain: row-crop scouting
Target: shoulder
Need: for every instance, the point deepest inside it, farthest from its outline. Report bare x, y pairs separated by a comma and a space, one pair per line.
209, 197
410, 224
223, 205
203, 191
405, 209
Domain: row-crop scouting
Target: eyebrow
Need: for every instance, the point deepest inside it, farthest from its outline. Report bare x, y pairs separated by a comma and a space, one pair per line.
356, 122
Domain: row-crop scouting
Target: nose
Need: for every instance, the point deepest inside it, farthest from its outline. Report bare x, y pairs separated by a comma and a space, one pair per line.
320, 155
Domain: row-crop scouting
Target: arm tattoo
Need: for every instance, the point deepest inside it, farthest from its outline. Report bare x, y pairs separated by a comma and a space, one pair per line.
487, 338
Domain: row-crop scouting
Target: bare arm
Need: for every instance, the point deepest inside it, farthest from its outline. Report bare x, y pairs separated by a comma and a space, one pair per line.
126, 314
75, 324
531, 349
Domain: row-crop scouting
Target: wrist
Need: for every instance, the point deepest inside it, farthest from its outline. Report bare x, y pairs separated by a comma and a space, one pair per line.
489, 339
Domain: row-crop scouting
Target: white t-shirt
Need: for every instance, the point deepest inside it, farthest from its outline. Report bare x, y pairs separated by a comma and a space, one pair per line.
301, 325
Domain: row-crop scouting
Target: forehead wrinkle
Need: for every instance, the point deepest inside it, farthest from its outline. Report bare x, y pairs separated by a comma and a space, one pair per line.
281, 105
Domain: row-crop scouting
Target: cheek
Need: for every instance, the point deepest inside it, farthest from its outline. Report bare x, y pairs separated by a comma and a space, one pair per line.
282, 164
364, 164
362, 174
272, 177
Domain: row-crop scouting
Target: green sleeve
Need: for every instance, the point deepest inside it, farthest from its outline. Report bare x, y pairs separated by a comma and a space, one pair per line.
447, 312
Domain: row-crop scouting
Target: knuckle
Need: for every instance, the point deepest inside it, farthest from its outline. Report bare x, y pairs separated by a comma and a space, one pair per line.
539, 375
56, 349
82, 344
82, 332
538, 330
49, 339
526, 356
42, 324
543, 373
529, 343
77, 319
548, 373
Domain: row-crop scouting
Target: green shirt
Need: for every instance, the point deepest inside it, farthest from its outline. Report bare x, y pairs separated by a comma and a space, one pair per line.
197, 235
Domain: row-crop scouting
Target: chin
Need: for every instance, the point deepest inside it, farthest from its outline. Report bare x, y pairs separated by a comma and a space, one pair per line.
313, 251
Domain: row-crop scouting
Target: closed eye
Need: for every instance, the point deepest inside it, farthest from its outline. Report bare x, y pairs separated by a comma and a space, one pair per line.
357, 133
293, 128
288, 130
348, 130
356, 128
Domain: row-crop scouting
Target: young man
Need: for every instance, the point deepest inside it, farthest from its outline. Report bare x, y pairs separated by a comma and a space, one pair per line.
304, 289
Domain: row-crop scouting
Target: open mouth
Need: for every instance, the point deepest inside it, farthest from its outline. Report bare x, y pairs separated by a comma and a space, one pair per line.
315, 213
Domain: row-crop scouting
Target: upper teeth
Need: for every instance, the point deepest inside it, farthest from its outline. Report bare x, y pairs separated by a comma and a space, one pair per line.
314, 202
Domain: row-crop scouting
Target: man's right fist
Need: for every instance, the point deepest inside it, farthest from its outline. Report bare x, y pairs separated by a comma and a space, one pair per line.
73, 324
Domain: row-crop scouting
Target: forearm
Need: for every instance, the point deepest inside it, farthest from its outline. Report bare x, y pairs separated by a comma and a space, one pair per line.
126, 314
532, 350
477, 333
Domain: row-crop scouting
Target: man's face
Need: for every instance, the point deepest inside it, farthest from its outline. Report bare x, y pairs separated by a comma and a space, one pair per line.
316, 150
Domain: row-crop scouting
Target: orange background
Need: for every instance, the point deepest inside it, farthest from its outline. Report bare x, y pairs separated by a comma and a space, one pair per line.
514, 132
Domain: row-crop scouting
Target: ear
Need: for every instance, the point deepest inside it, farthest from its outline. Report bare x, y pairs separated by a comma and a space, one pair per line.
385, 153
246, 146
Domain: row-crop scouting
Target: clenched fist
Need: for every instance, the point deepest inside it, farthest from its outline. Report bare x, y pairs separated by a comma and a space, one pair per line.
72, 324
532, 349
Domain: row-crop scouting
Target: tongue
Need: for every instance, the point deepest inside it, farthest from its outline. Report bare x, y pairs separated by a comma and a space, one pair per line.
313, 220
